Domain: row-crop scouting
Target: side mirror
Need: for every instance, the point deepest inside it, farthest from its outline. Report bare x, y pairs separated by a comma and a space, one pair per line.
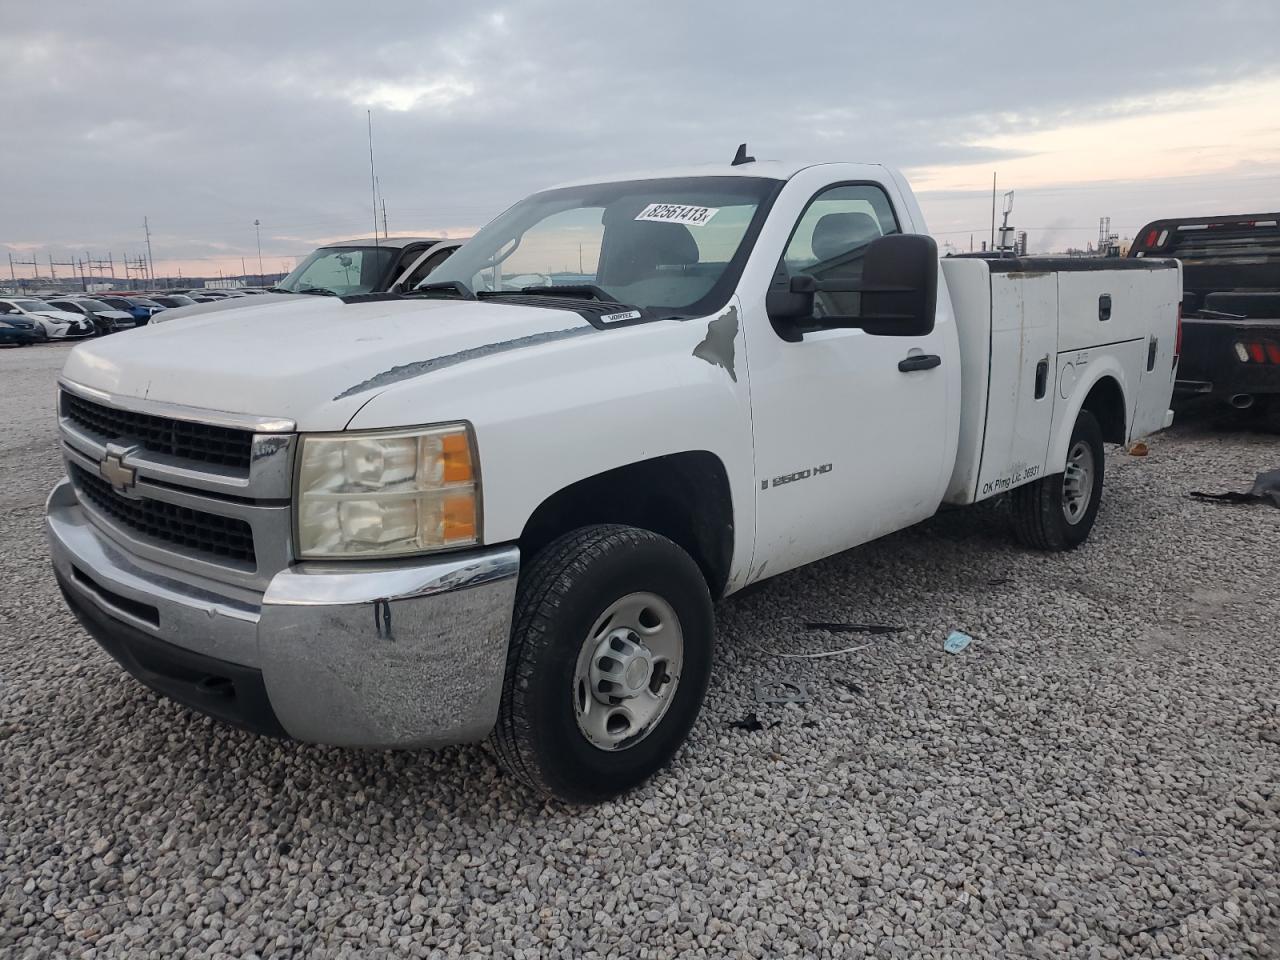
898, 292
789, 301
900, 286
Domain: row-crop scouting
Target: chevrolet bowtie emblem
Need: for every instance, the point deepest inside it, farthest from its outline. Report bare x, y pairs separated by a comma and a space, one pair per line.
113, 470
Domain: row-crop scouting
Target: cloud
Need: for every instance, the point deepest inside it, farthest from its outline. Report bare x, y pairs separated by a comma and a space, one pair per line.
205, 119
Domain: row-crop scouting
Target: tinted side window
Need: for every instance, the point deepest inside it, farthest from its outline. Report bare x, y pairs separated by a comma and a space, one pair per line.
426, 266
831, 239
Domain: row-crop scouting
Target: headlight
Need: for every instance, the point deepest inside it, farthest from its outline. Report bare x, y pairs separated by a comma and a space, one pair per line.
387, 494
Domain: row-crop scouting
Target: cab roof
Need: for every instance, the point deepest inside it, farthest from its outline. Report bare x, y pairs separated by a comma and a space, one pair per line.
769, 169
383, 242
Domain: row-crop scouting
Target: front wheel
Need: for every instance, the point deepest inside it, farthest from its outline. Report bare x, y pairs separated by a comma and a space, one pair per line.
1057, 512
608, 663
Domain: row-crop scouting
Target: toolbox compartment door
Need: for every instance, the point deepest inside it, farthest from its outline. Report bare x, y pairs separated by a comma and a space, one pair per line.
1023, 374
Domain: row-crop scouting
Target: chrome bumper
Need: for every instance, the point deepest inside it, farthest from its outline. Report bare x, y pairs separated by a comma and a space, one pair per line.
359, 654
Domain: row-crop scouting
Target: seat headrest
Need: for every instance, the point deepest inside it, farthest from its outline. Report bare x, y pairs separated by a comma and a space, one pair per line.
837, 233
639, 247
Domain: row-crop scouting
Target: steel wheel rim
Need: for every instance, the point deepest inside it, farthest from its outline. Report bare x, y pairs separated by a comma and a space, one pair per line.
1077, 482
627, 671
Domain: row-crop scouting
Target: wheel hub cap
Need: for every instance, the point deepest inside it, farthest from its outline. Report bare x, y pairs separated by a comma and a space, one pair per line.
1077, 482
628, 670
621, 666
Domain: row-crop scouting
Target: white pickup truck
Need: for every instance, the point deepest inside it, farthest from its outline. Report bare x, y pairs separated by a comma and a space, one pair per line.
502, 508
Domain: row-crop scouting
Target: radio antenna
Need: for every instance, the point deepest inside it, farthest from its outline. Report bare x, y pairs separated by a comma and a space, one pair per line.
373, 179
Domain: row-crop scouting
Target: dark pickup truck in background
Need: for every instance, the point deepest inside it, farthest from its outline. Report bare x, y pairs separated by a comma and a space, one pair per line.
1230, 349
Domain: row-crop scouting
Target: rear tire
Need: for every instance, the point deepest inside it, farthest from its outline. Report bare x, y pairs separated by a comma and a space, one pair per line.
559, 729
1057, 512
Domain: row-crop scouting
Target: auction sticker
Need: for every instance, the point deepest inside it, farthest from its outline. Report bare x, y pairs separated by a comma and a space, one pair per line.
678, 213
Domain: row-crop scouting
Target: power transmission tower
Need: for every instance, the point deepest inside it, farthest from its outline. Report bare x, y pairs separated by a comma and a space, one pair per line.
63, 263
102, 269
35, 270
137, 265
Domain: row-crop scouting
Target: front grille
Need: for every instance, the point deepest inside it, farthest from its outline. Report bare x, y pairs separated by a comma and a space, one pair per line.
223, 446
224, 538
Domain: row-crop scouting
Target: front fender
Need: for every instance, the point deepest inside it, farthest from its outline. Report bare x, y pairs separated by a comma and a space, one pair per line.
551, 414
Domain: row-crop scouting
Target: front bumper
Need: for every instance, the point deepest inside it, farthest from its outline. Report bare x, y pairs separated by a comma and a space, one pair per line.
359, 654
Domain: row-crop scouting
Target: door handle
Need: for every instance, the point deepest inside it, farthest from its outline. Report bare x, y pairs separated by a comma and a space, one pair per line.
919, 361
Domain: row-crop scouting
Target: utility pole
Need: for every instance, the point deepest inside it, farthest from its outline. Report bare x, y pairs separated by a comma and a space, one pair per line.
384, 218
257, 229
244, 271
13, 277
151, 264
993, 211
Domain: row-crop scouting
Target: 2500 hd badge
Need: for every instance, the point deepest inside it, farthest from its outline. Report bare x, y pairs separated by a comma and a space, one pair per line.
793, 477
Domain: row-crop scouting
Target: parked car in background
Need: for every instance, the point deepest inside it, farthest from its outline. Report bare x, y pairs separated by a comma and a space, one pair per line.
1230, 306
349, 268
105, 319
146, 303
172, 300
18, 329
141, 315
53, 323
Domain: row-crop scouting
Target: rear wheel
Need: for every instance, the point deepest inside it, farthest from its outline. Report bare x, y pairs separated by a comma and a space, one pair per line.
608, 663
1057, 512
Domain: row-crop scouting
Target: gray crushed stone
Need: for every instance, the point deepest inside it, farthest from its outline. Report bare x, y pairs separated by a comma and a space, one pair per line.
1096, 776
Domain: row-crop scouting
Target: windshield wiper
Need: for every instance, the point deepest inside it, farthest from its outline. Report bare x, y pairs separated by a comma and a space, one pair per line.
320, 291
456, 287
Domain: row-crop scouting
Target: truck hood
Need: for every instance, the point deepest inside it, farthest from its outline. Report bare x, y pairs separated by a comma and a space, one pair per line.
315, 361
231, 303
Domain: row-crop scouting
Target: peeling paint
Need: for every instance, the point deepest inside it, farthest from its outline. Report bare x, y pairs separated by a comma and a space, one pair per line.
268, 446
408, 371
717, 346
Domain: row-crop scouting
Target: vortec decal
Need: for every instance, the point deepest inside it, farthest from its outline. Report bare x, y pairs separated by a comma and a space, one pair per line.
793, 477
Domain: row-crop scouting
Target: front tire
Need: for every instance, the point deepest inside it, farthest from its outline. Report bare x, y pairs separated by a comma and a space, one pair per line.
1057, 512
608, 663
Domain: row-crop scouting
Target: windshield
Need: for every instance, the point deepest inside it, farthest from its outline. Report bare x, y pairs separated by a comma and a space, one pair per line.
94, 304
674, 245
143, 302
32, 306
341, 270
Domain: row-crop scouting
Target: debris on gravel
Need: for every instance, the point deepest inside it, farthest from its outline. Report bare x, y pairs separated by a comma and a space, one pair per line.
1099, 776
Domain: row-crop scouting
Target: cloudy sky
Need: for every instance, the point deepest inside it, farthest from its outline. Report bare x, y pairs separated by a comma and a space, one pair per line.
203, 117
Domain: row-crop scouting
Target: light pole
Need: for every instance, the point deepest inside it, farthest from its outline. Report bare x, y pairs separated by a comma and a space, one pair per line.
261, 273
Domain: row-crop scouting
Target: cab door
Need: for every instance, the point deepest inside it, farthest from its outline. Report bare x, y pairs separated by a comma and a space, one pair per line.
851, 430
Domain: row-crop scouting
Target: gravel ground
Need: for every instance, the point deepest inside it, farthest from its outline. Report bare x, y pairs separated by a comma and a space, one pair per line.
1096, 776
